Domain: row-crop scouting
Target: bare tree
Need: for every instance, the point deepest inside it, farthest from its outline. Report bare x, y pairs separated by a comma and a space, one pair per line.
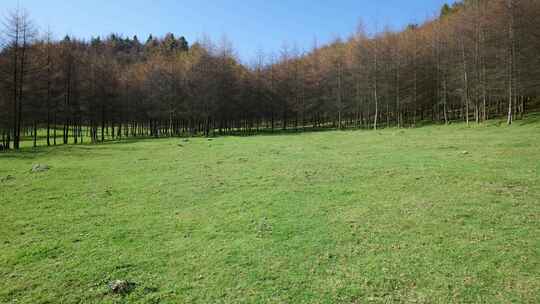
19, 33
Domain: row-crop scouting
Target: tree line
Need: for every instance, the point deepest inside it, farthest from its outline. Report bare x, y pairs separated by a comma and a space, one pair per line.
477, 60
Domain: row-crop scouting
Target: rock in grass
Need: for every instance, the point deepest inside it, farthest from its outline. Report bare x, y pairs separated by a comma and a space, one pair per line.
39, 168
121, 286
465, 152
7, 178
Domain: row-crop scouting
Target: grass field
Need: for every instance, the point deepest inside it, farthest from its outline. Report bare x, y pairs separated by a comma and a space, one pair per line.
430, 215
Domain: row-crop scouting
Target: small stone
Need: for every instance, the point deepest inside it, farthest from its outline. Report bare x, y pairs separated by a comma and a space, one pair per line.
39, 168
465, 152
120, 286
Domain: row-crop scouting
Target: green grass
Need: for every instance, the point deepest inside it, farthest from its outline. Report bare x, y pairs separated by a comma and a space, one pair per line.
393, 216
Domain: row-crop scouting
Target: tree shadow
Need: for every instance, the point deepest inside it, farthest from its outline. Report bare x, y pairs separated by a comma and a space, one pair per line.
25, 153
82, 149
529, 119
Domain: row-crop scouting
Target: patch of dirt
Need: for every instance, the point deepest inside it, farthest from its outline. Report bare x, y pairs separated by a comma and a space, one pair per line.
264, 228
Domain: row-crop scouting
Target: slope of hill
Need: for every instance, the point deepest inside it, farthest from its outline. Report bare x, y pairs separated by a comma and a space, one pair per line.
429, 215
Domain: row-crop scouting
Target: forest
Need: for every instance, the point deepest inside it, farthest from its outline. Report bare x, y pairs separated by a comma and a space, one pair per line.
476, 61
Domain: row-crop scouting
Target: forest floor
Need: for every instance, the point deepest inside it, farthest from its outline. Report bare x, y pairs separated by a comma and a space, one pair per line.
429, 215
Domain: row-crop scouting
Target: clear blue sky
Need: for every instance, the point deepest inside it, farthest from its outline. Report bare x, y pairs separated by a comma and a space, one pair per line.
251, 25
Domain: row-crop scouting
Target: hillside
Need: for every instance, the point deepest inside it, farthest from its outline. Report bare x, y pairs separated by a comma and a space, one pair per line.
428, 215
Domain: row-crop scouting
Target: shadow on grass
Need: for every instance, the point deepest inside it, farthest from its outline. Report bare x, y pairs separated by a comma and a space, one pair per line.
529, 119
81, 149
25, 153
84, 148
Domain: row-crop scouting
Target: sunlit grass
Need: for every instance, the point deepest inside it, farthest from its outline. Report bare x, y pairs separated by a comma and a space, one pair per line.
430, 215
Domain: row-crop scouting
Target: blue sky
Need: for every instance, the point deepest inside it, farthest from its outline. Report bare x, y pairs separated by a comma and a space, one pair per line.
251, 25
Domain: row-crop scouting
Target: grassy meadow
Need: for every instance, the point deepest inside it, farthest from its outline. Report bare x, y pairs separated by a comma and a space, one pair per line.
438, 214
